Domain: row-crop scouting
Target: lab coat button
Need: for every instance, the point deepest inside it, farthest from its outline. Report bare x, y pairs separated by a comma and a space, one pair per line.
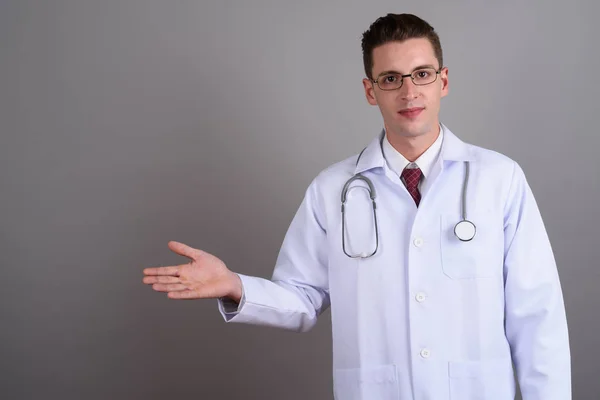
418, 242
425, 353
420, 297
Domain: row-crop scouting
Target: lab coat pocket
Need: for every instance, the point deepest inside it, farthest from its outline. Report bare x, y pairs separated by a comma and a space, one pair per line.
378, 382
467, 260
481, 380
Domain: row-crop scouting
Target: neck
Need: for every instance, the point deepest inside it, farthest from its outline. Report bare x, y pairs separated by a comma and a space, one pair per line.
411, 147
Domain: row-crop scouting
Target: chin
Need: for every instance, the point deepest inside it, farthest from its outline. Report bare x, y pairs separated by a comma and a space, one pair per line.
412, 130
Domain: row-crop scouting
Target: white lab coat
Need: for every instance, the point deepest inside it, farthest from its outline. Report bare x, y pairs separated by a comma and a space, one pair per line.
428, 317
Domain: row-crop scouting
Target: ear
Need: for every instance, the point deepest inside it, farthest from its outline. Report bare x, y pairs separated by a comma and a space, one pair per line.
444, 79
370, 91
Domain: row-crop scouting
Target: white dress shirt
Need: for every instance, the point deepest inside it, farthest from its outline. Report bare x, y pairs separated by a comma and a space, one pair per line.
397, 162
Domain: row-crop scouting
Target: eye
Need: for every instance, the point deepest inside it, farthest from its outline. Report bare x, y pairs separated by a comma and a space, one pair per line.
421, 74
389, 81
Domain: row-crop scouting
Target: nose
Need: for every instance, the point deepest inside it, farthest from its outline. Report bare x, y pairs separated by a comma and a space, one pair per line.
409, 90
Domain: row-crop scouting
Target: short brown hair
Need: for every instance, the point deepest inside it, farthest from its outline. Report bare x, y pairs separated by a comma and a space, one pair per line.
397, 27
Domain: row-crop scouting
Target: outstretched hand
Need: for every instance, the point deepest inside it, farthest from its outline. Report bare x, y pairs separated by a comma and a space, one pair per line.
204, 277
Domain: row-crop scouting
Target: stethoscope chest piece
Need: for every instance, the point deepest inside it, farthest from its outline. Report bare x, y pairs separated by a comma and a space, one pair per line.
465, 230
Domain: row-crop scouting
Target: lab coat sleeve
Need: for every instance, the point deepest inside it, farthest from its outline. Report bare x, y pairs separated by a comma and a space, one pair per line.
535, 319
229, 307
298, 291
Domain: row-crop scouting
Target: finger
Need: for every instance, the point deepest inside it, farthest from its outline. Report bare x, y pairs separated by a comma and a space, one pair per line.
161, 279
184, 295
169, 287
183, 249
170, 270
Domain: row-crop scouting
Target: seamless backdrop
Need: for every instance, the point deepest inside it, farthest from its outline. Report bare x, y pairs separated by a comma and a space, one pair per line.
126, 124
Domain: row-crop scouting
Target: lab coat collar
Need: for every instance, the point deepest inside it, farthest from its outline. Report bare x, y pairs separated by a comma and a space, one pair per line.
371, 156
453, 149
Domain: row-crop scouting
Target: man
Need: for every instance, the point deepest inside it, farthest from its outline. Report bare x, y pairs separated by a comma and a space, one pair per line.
438, 286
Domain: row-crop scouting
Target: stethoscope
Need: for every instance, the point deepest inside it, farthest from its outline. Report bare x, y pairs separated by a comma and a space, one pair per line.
464, 230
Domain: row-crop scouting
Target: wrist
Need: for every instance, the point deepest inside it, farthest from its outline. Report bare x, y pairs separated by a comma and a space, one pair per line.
236, 291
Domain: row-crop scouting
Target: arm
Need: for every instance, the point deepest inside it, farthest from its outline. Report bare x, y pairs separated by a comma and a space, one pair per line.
536, 325
298, 290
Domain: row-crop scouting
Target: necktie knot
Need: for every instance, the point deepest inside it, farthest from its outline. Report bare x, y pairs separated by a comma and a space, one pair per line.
411, 177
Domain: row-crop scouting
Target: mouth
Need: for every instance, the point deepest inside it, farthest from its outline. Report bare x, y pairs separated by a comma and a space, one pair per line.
411, 113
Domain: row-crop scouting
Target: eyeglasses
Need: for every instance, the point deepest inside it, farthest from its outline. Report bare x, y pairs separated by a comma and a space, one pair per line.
420, 77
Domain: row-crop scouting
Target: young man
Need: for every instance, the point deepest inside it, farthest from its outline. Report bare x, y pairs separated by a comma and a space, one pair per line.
438, 269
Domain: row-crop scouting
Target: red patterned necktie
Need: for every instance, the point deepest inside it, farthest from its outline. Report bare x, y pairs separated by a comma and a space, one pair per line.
411, 177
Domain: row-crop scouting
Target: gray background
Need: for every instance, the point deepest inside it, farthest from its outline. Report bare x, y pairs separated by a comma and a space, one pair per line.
126, 124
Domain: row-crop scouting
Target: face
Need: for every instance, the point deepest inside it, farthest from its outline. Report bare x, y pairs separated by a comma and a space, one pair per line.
412, 110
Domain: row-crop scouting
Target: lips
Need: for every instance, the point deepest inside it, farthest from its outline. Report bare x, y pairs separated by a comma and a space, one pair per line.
411, 112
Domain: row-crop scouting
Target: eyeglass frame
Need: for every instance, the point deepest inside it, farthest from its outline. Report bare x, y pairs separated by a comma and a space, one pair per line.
437, 72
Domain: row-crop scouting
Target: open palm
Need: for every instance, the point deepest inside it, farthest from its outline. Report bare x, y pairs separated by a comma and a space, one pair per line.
205, 276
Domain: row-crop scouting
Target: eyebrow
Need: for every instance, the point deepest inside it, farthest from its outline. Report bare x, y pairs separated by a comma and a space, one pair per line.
391, 71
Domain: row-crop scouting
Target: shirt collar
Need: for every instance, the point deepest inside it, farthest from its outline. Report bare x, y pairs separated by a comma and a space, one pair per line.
397, 162
452, 149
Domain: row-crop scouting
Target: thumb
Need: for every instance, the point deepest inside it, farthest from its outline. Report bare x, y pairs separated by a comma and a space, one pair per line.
183, 249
